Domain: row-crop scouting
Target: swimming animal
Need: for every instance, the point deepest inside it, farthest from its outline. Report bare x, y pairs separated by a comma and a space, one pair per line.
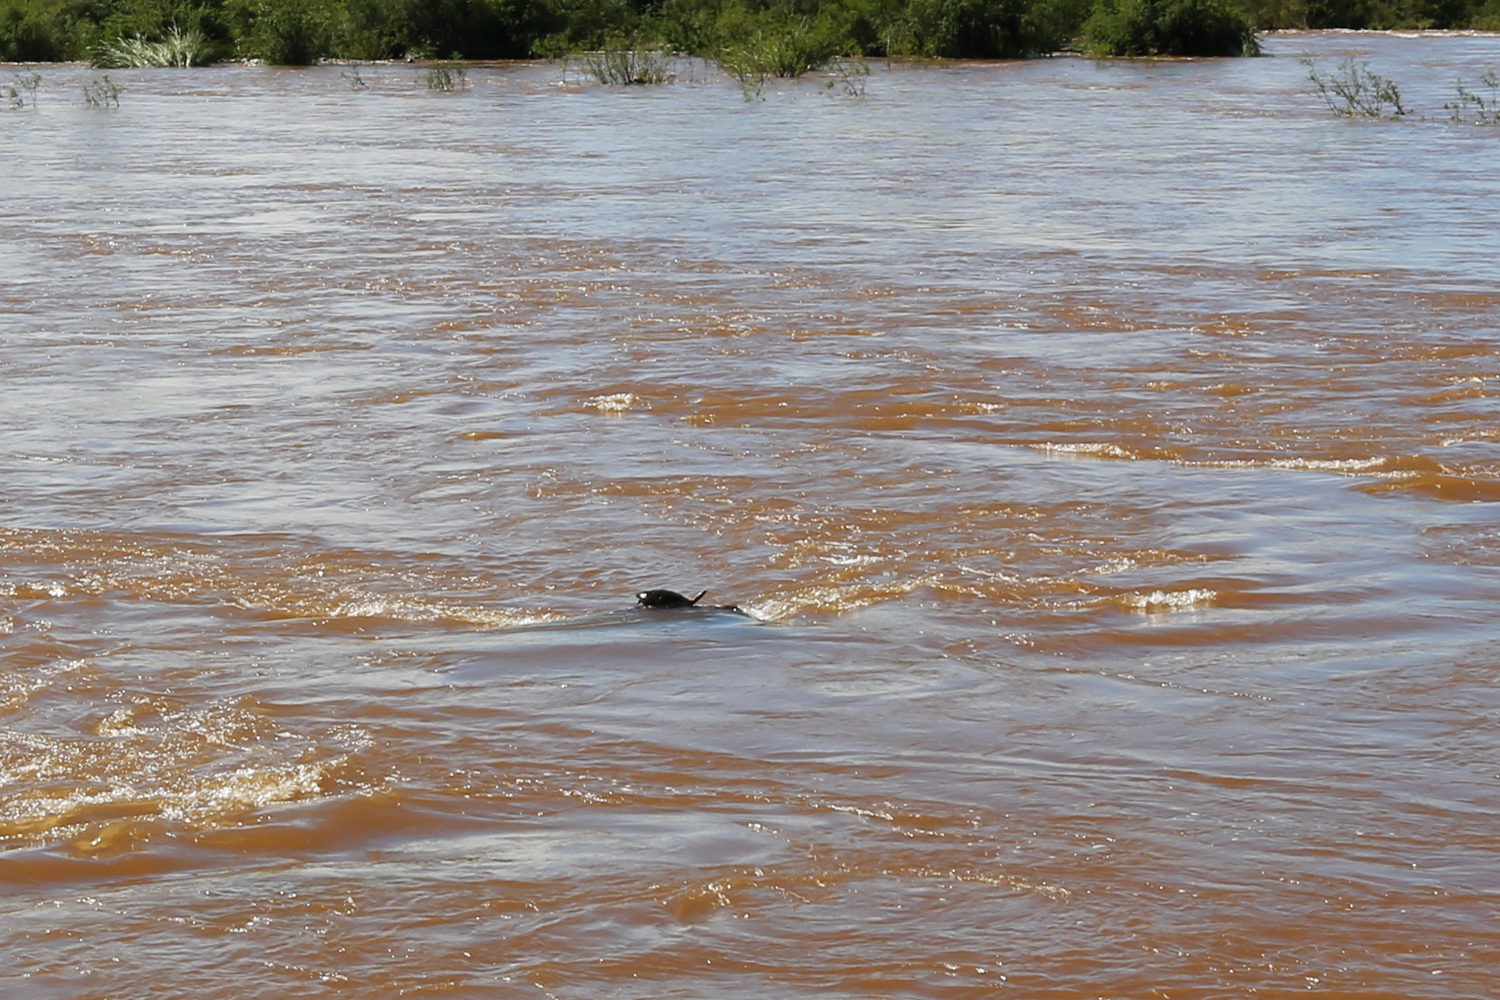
667, 599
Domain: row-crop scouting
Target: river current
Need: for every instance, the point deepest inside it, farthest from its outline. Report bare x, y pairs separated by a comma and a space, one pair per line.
1102, 457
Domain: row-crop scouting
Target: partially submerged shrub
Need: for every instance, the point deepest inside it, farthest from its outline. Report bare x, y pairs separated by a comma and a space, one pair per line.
1168, 28
101, 92
779, 45
619, 64
22, 90
1474, 107
174, 48
446, 75
1353, 91
849, 77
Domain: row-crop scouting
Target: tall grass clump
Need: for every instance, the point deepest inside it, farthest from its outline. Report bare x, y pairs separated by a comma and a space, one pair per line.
1474, 107
174, 48
1353, 91
1168, 28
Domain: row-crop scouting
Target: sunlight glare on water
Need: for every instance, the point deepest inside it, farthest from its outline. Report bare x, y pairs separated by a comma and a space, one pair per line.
1099, 460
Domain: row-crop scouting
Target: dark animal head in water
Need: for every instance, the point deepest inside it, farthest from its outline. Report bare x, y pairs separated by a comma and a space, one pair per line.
667, 599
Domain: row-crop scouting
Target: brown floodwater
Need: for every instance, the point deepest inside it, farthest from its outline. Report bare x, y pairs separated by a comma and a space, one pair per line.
1103, 458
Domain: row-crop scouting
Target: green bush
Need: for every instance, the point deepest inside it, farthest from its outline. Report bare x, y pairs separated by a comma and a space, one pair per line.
1168, 28
969, 29
205, 22
479, 29
287, 32
620, 65
32, 32
1353, 90
776, 42
766, 37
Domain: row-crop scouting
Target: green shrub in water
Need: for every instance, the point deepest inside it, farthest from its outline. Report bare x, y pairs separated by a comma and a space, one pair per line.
1353, 91
101, 92
849, 77
778, 43
1475, 107
1168, 28
22, 90
620, 64
446, 75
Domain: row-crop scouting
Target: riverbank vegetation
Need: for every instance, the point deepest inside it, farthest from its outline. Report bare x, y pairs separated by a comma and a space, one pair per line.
754, 37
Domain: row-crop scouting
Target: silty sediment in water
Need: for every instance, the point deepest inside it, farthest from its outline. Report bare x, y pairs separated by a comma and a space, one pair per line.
1093, 442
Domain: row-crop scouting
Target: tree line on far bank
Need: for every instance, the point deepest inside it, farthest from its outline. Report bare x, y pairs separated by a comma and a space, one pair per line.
799, 32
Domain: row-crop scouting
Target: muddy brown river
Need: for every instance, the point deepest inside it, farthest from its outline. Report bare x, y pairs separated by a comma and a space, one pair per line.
1102, 457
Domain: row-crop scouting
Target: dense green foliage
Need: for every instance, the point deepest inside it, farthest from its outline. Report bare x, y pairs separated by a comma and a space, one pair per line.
769, 37
1168, 28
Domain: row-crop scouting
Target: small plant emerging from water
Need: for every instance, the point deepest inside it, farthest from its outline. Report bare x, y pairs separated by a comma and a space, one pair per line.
447, 75
1354, 91
1476, 107
849, 77
22, 90
356, 82
752, 81
619, 65
101, 92
176, 48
